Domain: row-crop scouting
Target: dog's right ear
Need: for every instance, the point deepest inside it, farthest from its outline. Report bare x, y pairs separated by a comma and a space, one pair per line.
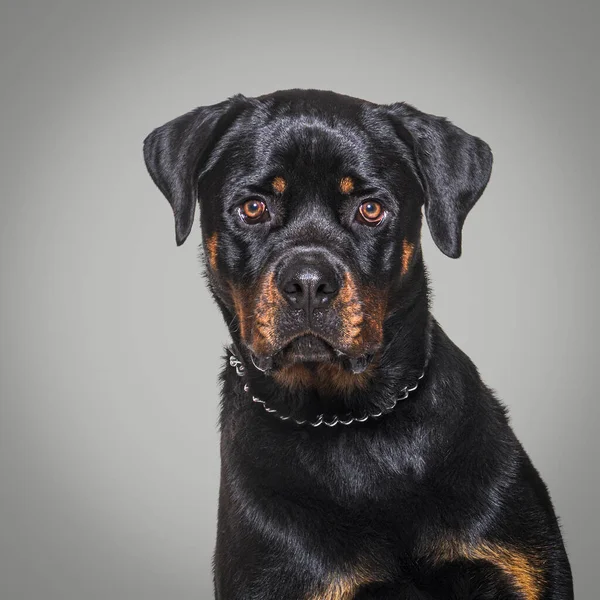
176, 152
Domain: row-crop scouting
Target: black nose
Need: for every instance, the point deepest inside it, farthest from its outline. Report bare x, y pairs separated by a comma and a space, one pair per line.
308, 285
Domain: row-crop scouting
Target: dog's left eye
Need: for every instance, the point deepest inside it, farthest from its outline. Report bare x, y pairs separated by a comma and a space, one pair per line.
254, 211
370, 213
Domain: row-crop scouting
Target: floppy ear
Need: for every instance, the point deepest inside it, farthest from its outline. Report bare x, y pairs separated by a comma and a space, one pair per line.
176, 152
453, 166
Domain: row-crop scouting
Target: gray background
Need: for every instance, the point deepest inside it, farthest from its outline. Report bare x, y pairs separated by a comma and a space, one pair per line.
109, 341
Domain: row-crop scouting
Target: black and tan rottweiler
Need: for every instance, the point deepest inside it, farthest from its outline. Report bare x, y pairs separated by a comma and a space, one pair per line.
362, 456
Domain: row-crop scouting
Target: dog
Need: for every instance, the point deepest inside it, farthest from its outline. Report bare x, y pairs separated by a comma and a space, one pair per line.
362, 456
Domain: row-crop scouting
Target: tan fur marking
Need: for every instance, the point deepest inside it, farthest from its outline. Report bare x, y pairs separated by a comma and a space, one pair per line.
294, 376
334, 379
279, 184
328, 378
211, 246
344, 586
256, 308
265, 315
408, 250
350, 311
374, 302
346, 185
523, 570
362, 312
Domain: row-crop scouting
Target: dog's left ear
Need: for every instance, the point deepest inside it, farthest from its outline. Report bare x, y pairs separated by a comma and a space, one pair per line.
176, 152
453, 167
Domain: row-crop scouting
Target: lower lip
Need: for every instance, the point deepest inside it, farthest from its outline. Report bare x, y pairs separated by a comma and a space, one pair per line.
310, 357
308, 349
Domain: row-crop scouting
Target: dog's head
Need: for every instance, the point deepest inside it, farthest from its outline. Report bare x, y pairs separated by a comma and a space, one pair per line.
310, 206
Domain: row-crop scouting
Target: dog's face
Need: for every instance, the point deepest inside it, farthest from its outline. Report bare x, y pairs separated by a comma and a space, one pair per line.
310, 207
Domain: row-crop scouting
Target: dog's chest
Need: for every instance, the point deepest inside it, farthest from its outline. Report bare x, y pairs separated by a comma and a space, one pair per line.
343, 514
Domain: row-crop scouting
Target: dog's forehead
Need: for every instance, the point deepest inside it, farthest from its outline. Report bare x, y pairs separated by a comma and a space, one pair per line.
299, 141
312, 129
298, 137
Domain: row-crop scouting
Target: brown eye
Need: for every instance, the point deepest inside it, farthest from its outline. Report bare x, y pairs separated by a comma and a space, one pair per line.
253, 211
370, 212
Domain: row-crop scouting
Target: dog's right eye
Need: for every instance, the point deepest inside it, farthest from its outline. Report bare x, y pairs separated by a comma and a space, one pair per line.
254, 211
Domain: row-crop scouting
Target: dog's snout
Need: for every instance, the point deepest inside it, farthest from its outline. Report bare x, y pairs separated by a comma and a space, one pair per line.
308, 285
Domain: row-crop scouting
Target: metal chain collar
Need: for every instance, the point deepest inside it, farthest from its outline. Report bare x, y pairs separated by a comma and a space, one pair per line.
348, 419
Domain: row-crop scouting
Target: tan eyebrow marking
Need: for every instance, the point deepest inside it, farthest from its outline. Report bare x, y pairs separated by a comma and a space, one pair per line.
279, 184
346, 185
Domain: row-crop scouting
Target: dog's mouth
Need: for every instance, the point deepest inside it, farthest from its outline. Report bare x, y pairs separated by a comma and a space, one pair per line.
310, 349
306, 348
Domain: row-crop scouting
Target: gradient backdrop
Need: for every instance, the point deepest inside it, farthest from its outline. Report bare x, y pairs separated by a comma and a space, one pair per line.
109, 342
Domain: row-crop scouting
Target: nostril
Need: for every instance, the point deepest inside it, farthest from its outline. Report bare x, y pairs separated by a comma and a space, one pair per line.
293, 291
325, 292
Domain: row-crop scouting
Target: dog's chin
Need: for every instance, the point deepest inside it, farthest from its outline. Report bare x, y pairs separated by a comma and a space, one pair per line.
305, 349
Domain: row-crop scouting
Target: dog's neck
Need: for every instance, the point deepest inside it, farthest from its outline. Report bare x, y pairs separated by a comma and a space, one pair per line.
331, 390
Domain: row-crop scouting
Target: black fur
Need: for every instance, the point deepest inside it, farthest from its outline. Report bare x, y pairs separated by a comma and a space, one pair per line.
435, 500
